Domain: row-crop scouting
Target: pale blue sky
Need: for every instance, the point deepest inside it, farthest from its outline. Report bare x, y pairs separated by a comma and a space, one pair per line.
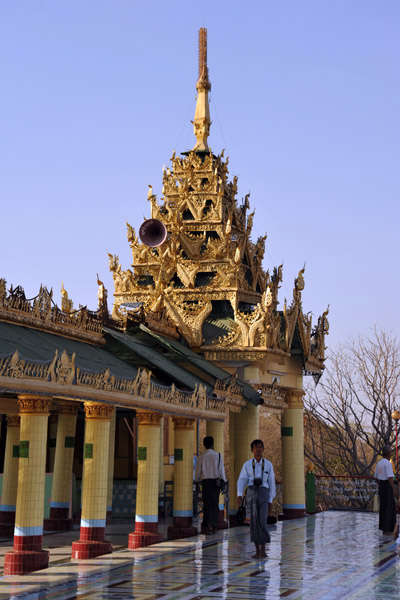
305, 98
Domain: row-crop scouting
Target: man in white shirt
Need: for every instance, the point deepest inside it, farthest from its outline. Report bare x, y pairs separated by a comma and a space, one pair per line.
209, 467
387, 492
258, 475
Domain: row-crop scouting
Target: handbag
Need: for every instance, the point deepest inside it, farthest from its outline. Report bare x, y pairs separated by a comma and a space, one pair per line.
219, 482
241, 512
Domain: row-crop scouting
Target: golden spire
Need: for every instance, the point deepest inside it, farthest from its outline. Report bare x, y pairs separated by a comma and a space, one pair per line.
202, 114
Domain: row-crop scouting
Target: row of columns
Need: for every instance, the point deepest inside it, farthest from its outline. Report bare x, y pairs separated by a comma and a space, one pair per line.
23, 488
63, 461
10, 476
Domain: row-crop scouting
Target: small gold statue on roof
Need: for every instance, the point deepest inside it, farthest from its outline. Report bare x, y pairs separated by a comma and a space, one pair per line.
101, 294
66, 303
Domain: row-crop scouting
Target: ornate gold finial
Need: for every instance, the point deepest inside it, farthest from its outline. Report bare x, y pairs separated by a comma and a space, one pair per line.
202, 114
299, 281
101, 294
203, 81
67, 305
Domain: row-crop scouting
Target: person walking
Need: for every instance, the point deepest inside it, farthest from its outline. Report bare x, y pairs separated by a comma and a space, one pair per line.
209, 467
258, 475
387, 492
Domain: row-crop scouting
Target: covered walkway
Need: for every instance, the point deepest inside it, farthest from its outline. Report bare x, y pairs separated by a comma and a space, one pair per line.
329, 556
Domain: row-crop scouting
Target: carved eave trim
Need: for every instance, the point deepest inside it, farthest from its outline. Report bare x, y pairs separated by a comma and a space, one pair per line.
161, 327
62, 329
304, 337
228, 389
62, 377
235, 404
276, 405
314, 365
81, 393
290, 317
247, 353
272, 395
228, 393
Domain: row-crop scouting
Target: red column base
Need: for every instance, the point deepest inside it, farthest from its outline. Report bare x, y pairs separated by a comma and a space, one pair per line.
143, 538
181, 528
18, 562
145, 534
90, 549
54, 524
292, 513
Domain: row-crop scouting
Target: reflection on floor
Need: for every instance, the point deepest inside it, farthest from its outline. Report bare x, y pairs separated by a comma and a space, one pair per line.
330, 556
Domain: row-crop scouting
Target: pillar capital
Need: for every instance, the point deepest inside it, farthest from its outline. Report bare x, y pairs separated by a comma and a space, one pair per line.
294, 398
13, 421
29, 404
98, 411
67, 408
148, 419
183, 423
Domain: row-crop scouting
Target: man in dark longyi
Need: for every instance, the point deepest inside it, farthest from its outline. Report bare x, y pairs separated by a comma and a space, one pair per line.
258, 475
210, 467
387, 492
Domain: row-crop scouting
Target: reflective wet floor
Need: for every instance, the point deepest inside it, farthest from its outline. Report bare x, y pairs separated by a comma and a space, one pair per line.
329, 556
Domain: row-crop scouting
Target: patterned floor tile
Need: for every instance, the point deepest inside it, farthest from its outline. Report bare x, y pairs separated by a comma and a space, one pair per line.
329, 556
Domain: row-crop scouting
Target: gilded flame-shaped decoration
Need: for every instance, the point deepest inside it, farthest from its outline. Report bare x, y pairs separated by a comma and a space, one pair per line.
209, 269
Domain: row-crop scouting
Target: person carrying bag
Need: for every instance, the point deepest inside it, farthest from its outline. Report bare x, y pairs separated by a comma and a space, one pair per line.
258, 475
209, 470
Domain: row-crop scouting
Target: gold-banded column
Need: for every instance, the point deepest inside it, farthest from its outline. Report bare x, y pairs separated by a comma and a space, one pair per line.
94, 502
10, 477
63, 461
161, 473
111, 455
247, 429
27, 554
148, 455
183, 479
216, 430
294, 500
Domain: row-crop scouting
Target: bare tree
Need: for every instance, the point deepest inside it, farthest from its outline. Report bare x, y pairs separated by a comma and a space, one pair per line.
348, 415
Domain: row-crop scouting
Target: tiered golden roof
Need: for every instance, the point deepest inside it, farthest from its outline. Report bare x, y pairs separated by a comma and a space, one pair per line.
206, 280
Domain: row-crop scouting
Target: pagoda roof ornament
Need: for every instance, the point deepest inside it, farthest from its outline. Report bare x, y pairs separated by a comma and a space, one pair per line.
202, 121
205, 281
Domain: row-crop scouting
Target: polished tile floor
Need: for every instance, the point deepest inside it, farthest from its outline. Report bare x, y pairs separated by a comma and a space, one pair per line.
329, 556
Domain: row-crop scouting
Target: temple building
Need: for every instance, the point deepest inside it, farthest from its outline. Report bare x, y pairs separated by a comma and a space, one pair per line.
195, 336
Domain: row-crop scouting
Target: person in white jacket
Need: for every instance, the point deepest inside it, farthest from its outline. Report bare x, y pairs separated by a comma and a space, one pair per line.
258, 476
